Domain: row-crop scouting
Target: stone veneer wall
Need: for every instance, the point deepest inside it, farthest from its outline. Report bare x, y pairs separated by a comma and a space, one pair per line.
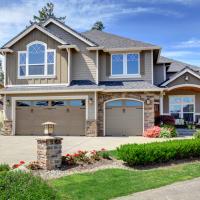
91, 128
7, 127
148, 108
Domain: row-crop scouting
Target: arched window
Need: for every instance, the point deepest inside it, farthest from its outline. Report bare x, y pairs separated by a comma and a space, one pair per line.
36, 61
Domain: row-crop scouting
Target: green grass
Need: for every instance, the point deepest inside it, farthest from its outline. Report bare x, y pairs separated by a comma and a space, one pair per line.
110, 183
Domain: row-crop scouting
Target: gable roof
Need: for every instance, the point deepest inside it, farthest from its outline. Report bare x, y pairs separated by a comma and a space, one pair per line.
28, 30
71, 31
175, 65
178, 74
111, 41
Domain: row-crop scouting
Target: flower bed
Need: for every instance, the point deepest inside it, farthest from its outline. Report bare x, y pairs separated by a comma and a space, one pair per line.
165, 131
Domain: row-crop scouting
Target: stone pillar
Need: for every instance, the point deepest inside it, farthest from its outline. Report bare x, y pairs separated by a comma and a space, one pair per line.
49, 152
7, 127
91, 128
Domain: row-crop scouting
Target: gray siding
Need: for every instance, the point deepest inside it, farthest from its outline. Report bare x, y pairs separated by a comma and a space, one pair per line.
83, 63
159, 74
145, 67
12, 61
181, 80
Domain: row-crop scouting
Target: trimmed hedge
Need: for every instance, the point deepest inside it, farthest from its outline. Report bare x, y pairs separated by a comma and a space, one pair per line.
159, 152
19, 185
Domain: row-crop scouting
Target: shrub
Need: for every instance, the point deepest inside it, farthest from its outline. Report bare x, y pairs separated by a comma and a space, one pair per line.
152, 132
159, 152
165, 120
4, 167
19, 185
168, 131
197, 134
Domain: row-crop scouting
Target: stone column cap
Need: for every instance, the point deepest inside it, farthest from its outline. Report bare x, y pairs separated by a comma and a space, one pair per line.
49, 138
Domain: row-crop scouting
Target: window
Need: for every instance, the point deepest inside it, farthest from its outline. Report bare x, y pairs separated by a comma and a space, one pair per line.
40, 103
182, 107
76, 103
115, 103
36, 61
125, 64
59, 103
23, 103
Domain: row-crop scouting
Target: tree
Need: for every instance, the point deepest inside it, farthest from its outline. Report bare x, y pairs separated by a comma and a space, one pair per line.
98, 26
45, 13
1, 72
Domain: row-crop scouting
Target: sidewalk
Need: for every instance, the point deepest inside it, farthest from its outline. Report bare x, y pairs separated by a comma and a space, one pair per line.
187, 190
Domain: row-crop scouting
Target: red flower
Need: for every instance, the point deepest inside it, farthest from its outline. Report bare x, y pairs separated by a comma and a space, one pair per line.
21, 162
15, 166
67, 155
76, 155
103, 149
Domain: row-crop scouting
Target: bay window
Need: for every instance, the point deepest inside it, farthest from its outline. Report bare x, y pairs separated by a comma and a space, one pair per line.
182, 107
37, 61
127, 64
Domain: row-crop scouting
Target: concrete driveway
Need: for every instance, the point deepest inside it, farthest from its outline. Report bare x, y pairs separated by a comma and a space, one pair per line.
16, 148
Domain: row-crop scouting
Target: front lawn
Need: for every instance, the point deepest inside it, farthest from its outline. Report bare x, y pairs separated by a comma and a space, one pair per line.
110, 183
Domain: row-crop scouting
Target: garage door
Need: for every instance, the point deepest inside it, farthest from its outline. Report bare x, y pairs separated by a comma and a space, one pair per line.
69, 116
124, 118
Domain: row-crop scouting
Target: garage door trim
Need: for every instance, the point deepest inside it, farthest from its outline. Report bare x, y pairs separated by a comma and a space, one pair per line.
133, 99
14, 99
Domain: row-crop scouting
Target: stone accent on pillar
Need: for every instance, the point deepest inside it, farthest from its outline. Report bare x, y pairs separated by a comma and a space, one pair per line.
7, 127
49, 152
91, 128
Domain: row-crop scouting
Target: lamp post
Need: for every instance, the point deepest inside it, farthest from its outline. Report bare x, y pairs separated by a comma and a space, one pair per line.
49, 128
49, 148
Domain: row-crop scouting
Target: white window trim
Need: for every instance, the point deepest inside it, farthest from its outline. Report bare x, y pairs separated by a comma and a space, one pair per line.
125, 75
45, 75
181, 96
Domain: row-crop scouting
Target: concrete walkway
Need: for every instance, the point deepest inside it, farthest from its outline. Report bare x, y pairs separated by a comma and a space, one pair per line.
187, 190
16, 148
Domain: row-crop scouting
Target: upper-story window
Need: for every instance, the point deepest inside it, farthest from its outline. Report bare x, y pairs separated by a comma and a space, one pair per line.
37, 61
126, 65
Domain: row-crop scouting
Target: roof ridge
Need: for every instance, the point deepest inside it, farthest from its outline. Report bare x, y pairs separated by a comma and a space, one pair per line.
118, 36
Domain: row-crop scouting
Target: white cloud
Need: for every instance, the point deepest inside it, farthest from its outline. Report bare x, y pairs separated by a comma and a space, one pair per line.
192, 43
80, 14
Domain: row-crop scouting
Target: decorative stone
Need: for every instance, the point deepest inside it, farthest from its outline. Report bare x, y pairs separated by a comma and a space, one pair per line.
7, 127
91, 128
49, 152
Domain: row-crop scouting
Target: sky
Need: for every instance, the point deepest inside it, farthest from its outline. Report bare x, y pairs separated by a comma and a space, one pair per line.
172, 24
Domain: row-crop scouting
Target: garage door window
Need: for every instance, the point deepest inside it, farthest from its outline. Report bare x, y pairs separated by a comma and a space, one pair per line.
59, 103
40, 103
23, 103
116, 103
78, 103
130, 103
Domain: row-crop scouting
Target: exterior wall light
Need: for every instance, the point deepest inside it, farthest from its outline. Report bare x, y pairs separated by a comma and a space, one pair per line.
90, 100
148, 101
8, 102
49, 128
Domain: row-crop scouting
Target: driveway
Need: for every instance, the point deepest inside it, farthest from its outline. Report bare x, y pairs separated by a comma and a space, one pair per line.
187, 190
16, 148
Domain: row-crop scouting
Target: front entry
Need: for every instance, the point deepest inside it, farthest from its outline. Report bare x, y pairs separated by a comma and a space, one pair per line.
69, 116
123, 117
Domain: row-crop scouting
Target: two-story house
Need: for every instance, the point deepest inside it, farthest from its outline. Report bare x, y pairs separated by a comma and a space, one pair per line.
92, 83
